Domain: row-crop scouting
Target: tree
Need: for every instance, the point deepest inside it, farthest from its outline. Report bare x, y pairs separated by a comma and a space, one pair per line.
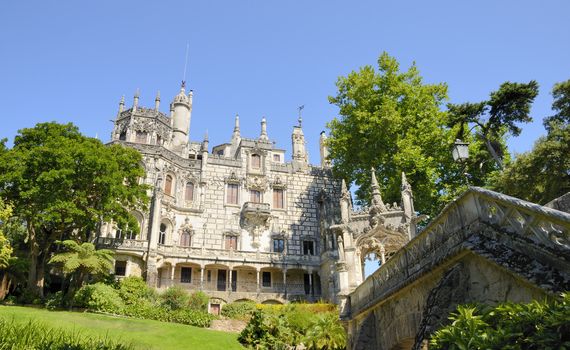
5, 249
495, 117
561, 94
326, 333
63, 185
81, 260
392, 121
543, 173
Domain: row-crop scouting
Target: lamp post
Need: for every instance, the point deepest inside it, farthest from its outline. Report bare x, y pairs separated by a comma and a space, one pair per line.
460, 154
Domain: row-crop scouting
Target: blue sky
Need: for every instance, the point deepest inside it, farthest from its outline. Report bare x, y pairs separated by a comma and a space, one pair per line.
71, 61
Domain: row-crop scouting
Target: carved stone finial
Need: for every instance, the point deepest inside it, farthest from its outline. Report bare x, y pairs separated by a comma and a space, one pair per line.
157, 101
122, 104
263, 136
376, 196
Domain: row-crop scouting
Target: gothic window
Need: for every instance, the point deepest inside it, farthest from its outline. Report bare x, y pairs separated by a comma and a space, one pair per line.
276, 158
162, 234
123, 136
255, 161
278, 202
308, 248
185, 274
141, 137
220, 152
168, 185
232, 195
255, 196
278, 245
266, 279
158, 140
189, 193
231, 242
120, 268
185, 238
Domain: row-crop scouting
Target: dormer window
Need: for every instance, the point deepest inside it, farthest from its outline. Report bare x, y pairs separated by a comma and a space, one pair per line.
255, 161
168, 185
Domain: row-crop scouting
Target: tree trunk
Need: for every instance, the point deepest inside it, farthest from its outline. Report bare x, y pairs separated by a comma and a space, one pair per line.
33, 284
4, 285
493, 153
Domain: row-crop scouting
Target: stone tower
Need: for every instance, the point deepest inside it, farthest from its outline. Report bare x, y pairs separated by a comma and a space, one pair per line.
181, 109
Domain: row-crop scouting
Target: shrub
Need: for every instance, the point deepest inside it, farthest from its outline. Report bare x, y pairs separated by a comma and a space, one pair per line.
99, 297
241, 310
536, 325
191, 317
134, 290
199, 301
33, 335
175, 298
54, 301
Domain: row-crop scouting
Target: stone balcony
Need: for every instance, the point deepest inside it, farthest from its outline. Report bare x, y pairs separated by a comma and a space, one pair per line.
256, 212
122, 244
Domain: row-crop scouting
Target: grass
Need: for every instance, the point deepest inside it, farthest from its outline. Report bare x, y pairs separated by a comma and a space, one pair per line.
142, 334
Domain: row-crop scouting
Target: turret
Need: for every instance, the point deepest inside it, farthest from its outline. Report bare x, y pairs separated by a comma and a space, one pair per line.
121, 105
298, 142
236, 134
204, 150
136, 100
325, 162
157, 101
181, 112
263, 135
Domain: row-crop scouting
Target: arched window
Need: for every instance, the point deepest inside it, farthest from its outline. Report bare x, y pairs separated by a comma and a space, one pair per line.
189, 193
123, 136
140, 137
255, 161
168, 185
162, 234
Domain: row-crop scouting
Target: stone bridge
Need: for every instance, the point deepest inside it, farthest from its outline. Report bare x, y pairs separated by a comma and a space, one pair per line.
484, 247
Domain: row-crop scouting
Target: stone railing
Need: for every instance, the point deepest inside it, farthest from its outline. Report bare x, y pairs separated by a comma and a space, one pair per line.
549, 229
236, 256
122, 244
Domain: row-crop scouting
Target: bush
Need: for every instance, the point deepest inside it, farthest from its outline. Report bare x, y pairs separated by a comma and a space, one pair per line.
241, 310
33, 335
536, 325
54, 301
99, 297
199, 301
175, 298
191, 317
134, 290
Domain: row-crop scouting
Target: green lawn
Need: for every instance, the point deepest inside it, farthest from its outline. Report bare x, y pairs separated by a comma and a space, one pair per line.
143, 334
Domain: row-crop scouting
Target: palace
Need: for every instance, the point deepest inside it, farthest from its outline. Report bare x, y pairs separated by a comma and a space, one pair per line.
242, 222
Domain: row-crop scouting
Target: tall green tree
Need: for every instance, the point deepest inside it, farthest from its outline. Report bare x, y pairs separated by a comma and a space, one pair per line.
5, 249
561, 104
81, 260
63, 185
543, 173
495, 117
392, 121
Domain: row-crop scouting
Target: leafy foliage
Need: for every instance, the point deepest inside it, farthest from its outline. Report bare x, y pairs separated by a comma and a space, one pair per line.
543, 173
63, 185
292, 325
34, 335
198, 301
5, 247
134, 291
174, 298
99, 297
241, 310
536, 325
494, 118
392, 121
561, 94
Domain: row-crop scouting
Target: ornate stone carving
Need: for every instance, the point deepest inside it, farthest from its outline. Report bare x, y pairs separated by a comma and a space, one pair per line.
258, 183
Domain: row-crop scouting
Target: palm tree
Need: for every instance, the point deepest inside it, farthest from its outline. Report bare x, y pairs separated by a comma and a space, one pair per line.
326, 333
82, 260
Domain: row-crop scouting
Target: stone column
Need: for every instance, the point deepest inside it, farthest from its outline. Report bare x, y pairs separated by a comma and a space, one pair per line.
285, 282
151, 269
311, 283
172, 273
230, 279
258, 286
201, 277
382, 254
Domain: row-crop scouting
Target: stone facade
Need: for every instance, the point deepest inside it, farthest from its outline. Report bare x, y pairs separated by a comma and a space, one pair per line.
241, 222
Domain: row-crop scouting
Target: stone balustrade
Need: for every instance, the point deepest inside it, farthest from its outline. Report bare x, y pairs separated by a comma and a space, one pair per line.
122, 244
448, 234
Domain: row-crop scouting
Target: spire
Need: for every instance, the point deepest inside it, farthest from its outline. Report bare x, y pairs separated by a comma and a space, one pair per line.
122, 104
344, 203
263, 135
236, 125
205, 142
325, 162
157, 101
343, 188
405, 184
136, 100
376, 196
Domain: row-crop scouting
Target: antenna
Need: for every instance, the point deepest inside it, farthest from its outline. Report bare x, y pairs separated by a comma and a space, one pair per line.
185, 63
